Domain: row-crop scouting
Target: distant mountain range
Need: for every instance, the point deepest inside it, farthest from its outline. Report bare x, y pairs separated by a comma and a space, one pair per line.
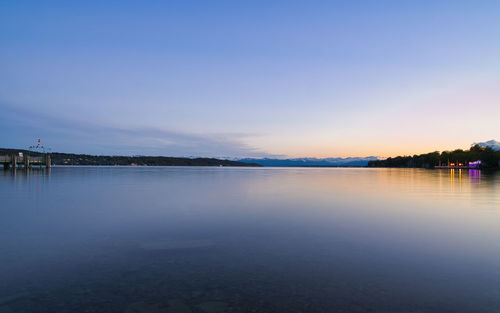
336, 162
83, 159
312, 162
493, 144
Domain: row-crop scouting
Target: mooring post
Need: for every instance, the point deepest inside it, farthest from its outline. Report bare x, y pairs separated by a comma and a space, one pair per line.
13, 161
47, 160
26, 162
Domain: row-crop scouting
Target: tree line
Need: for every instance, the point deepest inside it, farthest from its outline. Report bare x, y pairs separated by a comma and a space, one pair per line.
85, 159
489, 158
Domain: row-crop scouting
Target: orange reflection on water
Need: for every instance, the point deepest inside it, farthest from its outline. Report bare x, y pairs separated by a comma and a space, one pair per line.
362, 185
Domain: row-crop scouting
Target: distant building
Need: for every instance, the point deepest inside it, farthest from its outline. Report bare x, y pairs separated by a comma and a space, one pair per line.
475, 164
459, 165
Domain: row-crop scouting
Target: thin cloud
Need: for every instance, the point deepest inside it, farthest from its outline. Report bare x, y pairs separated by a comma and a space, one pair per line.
89, 137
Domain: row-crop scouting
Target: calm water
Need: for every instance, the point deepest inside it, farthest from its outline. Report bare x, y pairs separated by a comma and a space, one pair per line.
249, 240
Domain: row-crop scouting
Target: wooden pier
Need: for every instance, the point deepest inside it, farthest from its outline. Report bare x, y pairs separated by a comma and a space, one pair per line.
24, 161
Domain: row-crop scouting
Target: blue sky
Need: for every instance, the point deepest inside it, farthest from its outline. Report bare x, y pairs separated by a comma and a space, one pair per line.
256, 78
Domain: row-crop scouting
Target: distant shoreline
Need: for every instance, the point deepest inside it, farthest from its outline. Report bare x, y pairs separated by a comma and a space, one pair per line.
477, 157
71, 159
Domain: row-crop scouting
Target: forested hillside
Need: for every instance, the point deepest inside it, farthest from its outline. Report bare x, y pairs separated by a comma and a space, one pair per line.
489, 157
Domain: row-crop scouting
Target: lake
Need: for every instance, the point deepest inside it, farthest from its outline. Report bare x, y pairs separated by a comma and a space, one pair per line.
203, 239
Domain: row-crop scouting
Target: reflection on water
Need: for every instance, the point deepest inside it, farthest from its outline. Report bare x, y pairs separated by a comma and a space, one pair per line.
109, 239
474, 176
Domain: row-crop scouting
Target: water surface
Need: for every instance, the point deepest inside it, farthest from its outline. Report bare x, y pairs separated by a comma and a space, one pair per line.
192, 239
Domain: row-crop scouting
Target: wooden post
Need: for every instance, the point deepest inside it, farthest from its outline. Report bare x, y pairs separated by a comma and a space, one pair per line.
13, 161
26, 162
47, 160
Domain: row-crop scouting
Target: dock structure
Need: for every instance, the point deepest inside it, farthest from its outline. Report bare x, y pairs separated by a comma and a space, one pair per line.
25, 161
462, 166
456, 167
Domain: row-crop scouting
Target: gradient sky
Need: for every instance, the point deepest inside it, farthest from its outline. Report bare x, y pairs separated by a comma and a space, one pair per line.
255, 78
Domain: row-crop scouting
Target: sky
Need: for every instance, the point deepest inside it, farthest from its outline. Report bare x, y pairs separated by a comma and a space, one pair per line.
249, 78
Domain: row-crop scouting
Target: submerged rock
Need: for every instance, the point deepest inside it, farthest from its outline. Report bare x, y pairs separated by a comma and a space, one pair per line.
6, 309
176, 244
213, 307
142, 307
178, 306
13, 298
